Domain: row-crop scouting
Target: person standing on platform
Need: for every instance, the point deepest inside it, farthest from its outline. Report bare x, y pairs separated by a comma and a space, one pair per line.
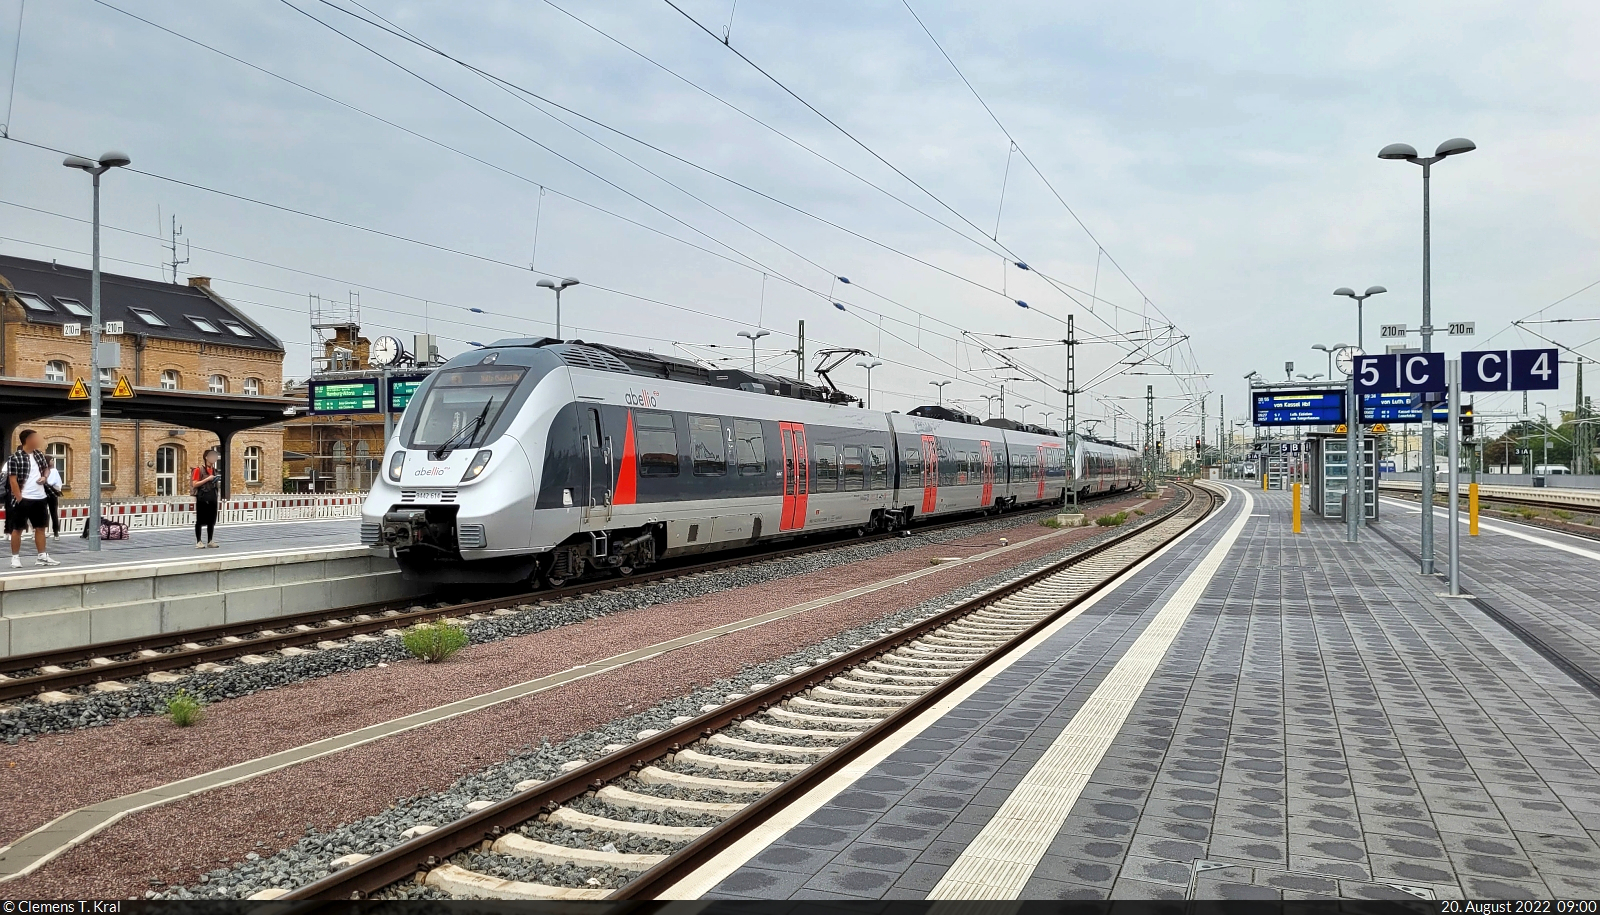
27, 472
52, 496
204, 484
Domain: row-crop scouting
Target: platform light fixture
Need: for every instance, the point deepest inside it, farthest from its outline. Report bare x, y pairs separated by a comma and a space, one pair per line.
1408, 153
557, 286
753, 337
869, 366
1330, 350
1360, 299
107, 162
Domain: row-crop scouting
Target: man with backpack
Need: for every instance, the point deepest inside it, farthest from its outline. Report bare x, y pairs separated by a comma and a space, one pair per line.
27, 482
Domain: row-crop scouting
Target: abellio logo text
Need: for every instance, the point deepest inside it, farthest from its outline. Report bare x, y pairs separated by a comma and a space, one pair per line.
641, 398
429, 472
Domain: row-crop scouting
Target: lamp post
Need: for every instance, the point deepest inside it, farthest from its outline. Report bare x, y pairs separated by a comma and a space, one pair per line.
753, 338
1408, 153
1360, 299
1355, 441
1544, 414
869, 366
991, 398
1047, 415
1304, 377
556, 287
1022, 413
1329, 350
1234, 454
940, 385
107, 162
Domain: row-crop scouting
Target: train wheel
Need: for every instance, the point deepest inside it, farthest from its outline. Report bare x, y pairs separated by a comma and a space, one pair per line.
625, 570
555, 581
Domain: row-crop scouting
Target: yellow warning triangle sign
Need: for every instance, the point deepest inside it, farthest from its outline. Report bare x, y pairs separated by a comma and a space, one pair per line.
80, 391
123, 388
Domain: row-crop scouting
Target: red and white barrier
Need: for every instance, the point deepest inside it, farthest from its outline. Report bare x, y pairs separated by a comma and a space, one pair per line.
168, 513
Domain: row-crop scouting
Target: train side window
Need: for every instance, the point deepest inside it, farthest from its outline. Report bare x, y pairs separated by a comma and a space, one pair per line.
750, 447
827, 478
878, 460
658, 444
705, 442
854, 468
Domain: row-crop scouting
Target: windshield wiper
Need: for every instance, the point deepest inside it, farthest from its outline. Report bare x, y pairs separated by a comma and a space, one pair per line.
470, 430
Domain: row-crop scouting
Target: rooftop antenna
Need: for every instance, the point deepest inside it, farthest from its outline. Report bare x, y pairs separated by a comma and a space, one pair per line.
172, 248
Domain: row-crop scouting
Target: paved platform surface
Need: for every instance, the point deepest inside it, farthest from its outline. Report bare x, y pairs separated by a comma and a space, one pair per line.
153, 546
1324, 724
1542, 581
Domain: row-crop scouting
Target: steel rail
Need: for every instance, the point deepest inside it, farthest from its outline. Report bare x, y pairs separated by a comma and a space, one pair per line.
1545, 523
176, 657
402, 862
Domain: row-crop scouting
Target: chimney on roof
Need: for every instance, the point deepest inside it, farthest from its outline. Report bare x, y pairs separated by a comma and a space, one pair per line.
200, 282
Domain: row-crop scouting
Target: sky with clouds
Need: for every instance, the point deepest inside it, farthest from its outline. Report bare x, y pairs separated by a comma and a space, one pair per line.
1207, 167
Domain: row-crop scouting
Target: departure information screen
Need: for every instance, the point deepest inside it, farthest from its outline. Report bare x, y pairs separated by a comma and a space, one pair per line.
1298, 408
400, 391
1397, 408
344, 396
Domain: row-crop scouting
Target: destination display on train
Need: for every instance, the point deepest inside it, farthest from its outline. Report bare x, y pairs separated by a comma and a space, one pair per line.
1298, 408
344, 396
1397, 408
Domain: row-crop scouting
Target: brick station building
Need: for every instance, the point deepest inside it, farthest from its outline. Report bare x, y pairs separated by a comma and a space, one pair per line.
175, 337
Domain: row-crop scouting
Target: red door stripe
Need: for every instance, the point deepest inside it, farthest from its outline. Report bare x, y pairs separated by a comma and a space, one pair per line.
627, 492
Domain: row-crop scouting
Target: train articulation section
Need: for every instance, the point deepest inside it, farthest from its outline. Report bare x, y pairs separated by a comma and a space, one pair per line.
547, 461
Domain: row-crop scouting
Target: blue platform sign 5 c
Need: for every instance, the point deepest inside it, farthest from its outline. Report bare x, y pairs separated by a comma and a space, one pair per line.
1411, 373
1510, 370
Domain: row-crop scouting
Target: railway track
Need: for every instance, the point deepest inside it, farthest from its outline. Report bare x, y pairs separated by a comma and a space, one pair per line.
634, 822
105, 665
1506, 507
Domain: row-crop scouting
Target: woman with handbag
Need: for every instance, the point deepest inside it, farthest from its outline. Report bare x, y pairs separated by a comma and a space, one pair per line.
203, 483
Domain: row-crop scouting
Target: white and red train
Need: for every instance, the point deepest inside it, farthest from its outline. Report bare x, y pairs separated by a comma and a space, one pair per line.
541, 460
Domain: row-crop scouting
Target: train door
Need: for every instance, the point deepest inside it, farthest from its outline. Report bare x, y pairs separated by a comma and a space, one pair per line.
796, 476
988, 473
600, 472
1038, 470
930, 474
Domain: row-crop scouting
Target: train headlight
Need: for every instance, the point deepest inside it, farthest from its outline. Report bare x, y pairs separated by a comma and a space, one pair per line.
397, 464
475, 469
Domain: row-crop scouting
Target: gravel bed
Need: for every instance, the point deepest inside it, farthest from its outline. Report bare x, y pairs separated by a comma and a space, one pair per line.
307, 859
753, 756
737, 775
683, 794
528, 871
599, 808
783, 740
625, 842
27, 720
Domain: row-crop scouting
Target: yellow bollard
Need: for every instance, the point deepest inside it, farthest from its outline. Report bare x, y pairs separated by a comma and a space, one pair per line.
1295, 512
1472, 509
1264, 478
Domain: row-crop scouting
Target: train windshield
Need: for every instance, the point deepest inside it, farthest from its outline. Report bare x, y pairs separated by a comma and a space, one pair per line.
462, 405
